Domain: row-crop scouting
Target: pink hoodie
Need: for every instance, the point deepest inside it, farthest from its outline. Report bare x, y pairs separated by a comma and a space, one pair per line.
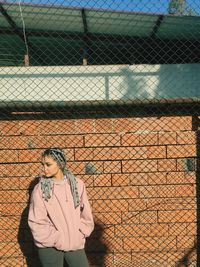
56, 223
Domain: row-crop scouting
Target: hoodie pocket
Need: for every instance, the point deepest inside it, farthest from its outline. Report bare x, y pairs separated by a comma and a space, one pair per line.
81, 239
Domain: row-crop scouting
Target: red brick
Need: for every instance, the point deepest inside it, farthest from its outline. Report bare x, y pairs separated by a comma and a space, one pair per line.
120, 179
95, 140
186, 137
180, 177
57, 127
10, 222
8, 235
130, 166
166, 138
113, 192
35, 169
110, 218
102, 180
156, 152
122, 259
111, 205
12, 249
150, 243
141, 230
9, 183
9, 128
138, 178
29, 155
177, 229
30, 127
103, 153
177, 216
56, 140
123, 153
126, 230
186, 242
148, 139
37, 142
84, 154
130, 139
15, 170
191, 229
170, 204
12, 261
151, 258
157, 191
65, 141
181, 151
175, 123
166, 165
12, 209
165, 210
14, 142
96, 167
112, 167
103, 125
130, 217
185, 191
125, 125
77, 167
148, 217
153, 124
8, 156
137, 204
87, 179
156, 178
12, 196
83, 126
69, 152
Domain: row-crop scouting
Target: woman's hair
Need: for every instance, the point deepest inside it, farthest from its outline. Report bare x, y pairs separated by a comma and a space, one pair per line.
58, 155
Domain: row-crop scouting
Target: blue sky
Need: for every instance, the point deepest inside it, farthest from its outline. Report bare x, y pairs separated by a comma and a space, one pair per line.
152, 6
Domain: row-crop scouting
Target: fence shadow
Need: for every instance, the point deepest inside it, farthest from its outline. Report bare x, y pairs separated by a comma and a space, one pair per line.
95, 247
188, 260
197, 128
25, 238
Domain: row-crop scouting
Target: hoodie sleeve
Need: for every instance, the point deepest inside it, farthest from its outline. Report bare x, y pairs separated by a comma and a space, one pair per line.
43, 231
87, 222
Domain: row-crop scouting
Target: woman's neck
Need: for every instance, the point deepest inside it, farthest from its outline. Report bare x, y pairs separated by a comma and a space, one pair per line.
59, 176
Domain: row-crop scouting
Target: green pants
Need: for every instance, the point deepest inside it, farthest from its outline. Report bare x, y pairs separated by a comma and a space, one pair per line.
51, 257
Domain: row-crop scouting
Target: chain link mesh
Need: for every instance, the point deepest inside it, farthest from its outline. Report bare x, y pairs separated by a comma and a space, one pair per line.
116, 85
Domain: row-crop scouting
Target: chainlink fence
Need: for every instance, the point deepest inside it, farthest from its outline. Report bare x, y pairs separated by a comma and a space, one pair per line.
115, 84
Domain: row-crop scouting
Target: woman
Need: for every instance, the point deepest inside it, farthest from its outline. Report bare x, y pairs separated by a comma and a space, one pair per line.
60, 217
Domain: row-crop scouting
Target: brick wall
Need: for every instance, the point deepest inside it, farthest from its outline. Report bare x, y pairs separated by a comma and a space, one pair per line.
140, 179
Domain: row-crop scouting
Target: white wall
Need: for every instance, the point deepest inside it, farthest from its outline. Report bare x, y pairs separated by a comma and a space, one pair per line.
65, 83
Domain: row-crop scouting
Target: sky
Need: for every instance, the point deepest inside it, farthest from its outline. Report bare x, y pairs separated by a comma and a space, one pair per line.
146, 6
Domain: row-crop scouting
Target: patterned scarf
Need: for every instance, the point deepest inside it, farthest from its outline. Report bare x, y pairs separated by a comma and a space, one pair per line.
47, 185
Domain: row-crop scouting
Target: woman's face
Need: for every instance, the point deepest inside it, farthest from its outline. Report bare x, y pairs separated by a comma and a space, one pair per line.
51, 168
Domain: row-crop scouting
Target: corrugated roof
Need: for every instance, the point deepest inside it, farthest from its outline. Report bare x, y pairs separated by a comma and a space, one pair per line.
48, 26
51, 18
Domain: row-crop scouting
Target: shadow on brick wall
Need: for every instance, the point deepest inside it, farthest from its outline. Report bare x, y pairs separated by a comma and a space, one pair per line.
25, 238
96, 248
189, 259
197, 128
